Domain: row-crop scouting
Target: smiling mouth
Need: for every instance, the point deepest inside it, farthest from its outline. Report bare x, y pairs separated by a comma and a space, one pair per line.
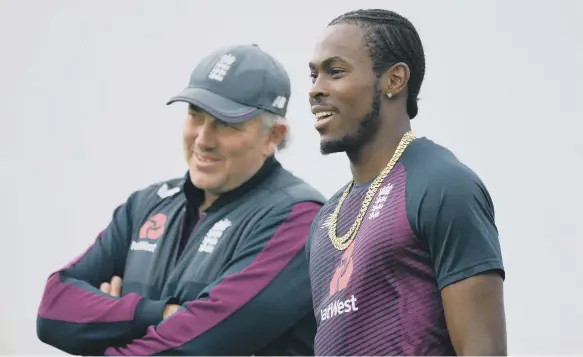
324, 115
205, 160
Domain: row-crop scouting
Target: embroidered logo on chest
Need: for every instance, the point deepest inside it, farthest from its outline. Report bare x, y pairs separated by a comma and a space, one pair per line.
379, 202
212, 237
149, 232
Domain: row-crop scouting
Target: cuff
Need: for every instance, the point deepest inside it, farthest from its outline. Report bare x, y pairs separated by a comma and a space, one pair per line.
149, 312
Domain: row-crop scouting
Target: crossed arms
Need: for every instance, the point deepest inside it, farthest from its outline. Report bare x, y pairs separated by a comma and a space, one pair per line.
244, 306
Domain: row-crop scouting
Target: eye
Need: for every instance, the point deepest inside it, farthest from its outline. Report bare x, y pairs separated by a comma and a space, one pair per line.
195, 116
229, 126
334, 72
313, 76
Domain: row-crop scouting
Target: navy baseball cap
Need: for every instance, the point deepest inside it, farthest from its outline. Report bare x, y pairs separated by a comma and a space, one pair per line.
237, 83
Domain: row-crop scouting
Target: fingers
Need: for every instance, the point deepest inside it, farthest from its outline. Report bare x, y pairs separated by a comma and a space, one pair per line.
169, 310
116, 284
112, 288
105, 288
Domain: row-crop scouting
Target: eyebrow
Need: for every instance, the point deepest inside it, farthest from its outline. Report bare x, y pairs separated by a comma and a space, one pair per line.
327, 62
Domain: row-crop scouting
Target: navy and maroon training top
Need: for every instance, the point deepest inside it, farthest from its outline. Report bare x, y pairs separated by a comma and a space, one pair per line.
430, 225
239, 271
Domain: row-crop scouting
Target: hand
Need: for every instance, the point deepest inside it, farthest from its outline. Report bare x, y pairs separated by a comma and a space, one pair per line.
112, 288
169, 310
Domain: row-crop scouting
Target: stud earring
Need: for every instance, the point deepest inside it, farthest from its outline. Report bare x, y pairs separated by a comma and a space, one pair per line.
389, 95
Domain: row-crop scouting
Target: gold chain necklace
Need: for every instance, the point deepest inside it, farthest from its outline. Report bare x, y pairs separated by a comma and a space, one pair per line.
344, 241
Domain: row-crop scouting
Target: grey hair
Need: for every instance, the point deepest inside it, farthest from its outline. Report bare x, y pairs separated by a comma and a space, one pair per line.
269, 120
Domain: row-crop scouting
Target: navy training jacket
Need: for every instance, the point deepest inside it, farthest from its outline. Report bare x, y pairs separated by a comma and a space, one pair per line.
239, 270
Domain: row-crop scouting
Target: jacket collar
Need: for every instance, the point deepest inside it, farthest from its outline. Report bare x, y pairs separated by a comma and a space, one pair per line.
195, 196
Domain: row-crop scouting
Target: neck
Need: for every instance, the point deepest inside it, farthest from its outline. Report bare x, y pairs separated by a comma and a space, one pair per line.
373, 157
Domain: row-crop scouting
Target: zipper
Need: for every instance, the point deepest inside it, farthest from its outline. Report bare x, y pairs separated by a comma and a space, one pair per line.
186, 234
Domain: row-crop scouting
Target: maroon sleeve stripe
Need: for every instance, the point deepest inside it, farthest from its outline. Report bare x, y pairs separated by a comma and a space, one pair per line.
70, 303
65, 301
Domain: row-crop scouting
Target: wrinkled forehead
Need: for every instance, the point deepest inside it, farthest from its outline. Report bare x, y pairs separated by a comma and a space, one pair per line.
343, 41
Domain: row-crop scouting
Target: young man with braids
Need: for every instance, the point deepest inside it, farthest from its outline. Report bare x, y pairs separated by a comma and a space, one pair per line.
405, 259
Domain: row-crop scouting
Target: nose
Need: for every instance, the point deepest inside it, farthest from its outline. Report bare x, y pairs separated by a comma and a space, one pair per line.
318, 91
206, 134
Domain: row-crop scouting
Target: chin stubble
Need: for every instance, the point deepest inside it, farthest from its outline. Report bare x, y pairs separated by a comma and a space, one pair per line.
367, 128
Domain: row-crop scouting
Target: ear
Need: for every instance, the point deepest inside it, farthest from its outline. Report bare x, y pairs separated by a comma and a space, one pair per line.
395, 79
274, 138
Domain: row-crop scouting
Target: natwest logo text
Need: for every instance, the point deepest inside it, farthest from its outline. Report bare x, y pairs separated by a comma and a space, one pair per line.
339, 307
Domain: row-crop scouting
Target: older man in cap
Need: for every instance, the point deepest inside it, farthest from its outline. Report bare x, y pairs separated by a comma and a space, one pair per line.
212, 263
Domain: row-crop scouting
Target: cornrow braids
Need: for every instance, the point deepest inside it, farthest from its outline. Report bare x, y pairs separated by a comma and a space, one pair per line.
391, 38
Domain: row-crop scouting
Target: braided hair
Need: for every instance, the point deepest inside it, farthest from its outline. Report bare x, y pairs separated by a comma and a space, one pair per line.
391, 38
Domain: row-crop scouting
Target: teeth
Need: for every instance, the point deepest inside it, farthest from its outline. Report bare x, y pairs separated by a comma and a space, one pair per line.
321, 115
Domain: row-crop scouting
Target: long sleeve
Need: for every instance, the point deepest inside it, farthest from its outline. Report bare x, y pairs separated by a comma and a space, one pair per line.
76, 317
261, 293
